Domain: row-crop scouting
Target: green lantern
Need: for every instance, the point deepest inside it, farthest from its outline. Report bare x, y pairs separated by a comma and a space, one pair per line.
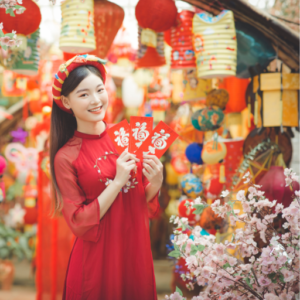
207, 119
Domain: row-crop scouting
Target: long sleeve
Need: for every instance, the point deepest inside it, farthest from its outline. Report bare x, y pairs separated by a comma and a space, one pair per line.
153, 204
83, 219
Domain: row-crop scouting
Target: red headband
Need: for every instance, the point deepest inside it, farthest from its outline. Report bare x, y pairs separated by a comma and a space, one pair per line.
70, 65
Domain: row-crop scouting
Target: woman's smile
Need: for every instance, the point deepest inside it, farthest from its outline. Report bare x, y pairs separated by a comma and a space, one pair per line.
96, 110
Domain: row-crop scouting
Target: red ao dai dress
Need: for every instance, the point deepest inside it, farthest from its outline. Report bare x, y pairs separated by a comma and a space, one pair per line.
111, 258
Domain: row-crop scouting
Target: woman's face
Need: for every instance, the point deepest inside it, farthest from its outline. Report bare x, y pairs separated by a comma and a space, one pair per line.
89, 100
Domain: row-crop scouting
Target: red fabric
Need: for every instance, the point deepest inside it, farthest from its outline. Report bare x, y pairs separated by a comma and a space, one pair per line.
111, 258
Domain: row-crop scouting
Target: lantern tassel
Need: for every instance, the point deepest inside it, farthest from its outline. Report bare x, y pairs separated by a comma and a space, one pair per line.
222, 178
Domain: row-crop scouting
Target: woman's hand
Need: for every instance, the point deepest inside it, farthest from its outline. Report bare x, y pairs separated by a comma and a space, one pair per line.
153, 170
125, 163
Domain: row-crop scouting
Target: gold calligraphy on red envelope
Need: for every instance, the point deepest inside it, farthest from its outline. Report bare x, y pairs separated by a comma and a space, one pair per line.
158, 141
119, 135
141, 128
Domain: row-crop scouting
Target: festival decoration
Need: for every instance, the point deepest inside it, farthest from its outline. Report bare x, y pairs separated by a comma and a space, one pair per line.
213, 152
193, 153
10, 86
2, 186
19, 135
172, 176
209, 220
108, 19
207, 119
185, 211
183, 55
8, 39
191, 185
215, 44
159, 104
119, 135
253, 48
26, 61
217, 97
180, 163
213, 188
77, 27
132, 94
158, 15
150, 53
280, 99
23, 22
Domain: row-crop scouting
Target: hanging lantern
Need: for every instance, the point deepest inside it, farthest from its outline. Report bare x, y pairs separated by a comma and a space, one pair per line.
159, 104
207, 119
183, 55
213, 188
26, 61
77, 27
132, 94
218, 98
210, 220
108, 18
193, 153
180, 164
158, 15
151, 49
213, 152
215, 44
187, 212
191, 185
26, 22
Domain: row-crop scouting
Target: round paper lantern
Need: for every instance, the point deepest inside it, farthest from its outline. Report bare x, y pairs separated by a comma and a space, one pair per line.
213, 152
193, 153
23, 23
172, 176
77, 26
158, 15
191, 185
209, 220
253, 48
213, 188
108, 18
26, 62
180, 164
215, 44
132, 94
150, 56
217, 97
207, 119
186, 212
183, 55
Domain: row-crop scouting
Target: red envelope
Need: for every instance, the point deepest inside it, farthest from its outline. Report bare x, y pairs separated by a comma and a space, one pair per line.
141, 128
119, 135
158, 141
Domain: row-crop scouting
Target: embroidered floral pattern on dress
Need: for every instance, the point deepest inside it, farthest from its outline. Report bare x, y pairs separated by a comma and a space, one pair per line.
131, 183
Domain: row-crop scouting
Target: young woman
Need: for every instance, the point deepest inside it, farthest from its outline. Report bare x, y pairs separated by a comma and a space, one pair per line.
105, 198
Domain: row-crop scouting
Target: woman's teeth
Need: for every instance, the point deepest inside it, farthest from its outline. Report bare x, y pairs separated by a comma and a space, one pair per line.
96, 109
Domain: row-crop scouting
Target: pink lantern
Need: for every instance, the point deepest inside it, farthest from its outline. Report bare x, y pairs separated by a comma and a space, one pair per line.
273, 184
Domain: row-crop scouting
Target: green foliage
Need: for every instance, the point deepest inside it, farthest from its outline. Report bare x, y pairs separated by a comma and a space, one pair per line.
199, 208
178, 290
15, 190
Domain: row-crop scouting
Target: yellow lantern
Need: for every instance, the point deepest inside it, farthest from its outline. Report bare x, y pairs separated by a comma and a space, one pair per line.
77, 27
215, 45
213, 152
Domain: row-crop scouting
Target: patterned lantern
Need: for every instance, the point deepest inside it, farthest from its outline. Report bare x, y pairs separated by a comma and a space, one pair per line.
26, 62
213, 152
77, 27
207, 119
191, 185
187, 212
215, 45
108, 20
218, 98
23, 23
159, 104
158, 15
183, 55
151, 49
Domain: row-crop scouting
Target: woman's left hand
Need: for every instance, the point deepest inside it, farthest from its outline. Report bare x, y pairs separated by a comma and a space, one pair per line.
153, 170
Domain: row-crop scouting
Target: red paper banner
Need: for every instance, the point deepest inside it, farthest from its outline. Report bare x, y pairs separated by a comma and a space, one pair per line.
158, 141
119, 135
141, 128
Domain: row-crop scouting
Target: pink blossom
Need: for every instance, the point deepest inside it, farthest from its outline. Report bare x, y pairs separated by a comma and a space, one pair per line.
4, 40
279, 208
288, 275
176, 296
268, 260
191, 261
263, 281
246, 207
271, 297
281, 260
206, 271
219, 249
232, 260
240, 195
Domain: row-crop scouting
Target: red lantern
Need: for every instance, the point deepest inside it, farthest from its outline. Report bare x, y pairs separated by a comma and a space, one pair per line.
209, 220
183, 55
108, 19
25, 23
213, 188
180, 164
186, 212
159, 101
31, 214
236, 87
158, 15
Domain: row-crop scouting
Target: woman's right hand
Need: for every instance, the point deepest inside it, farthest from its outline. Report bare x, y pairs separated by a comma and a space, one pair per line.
125, 163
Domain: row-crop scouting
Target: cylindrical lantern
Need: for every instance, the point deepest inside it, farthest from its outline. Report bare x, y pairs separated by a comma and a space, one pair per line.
159, 104
108, 18
151, 49
26, 62
132, 94
215, 45
25, 22
77, 27
158, 15
183, 55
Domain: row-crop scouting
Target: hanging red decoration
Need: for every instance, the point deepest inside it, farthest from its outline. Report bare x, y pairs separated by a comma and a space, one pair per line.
159, 101
22, 23
158, 15
187, 212
213, 188
183, 55
108, 19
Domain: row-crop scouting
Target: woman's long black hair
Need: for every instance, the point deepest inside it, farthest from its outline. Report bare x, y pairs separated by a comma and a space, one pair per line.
64, 124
